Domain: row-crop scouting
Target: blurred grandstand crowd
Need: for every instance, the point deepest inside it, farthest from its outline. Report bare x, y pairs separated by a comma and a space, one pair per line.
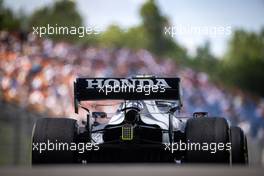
38, 74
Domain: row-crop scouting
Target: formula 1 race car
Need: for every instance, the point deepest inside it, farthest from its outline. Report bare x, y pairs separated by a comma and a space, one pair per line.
144, 128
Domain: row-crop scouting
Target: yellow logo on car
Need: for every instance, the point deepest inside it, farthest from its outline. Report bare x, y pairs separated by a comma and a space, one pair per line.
127, 132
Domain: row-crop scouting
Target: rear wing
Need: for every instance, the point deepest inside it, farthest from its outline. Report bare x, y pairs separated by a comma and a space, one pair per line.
141, 88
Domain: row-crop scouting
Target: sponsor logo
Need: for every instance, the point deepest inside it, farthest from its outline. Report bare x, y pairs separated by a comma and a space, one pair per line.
99, 83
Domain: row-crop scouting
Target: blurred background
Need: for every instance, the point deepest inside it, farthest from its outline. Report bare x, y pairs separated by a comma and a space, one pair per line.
222, 72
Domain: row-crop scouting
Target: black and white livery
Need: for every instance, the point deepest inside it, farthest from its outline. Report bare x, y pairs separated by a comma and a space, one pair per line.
146, 127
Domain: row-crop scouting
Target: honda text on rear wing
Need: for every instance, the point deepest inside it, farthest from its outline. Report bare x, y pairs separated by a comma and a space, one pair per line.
136, 88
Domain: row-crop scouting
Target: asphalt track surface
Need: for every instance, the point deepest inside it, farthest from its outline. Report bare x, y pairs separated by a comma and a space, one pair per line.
133, 170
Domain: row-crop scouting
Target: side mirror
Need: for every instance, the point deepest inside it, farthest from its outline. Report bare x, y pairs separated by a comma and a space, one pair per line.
172, 106
99, 115
200, 114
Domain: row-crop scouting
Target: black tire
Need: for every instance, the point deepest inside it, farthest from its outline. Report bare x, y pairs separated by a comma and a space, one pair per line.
239, 146
207, 130
54, 130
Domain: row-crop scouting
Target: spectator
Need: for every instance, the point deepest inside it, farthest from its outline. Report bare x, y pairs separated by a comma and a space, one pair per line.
38, 75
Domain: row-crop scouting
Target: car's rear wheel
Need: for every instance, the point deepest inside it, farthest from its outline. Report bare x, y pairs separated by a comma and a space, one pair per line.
210, 133
48, 134
239, 146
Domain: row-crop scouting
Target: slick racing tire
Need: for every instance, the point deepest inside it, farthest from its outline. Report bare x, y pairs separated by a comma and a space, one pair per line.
47, 134
207, 133
239, 146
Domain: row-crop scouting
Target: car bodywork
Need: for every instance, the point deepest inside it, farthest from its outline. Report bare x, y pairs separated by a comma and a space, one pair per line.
145, 127
143, 123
